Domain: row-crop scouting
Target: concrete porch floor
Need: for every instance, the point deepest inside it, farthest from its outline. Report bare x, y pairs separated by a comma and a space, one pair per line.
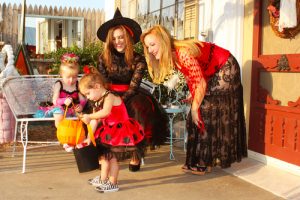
51, 173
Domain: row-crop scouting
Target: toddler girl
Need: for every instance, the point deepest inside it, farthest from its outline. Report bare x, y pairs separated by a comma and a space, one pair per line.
66, 93
117, 137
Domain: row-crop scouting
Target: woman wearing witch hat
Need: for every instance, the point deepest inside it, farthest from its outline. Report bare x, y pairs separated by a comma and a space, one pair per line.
124, 69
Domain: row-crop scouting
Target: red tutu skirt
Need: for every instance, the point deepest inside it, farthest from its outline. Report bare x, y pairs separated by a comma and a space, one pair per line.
128, 133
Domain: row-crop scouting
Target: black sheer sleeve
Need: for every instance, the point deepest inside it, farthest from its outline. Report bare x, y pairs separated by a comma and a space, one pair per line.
102, 69
139, 70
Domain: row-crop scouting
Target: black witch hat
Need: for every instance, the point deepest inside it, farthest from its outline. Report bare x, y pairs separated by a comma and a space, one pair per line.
131, 26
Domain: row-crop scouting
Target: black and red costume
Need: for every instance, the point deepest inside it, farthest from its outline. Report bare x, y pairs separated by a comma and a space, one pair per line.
141, 105
221, 110
118, 133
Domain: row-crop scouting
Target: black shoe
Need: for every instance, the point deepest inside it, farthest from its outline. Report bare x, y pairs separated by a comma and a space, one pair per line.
134, 168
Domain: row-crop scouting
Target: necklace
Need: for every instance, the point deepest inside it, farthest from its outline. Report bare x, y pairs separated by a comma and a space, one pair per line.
99, 102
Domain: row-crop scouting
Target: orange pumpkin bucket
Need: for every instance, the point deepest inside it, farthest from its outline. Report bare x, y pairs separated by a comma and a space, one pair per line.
70, 132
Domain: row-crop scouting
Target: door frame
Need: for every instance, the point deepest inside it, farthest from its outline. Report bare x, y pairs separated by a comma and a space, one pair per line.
264, 110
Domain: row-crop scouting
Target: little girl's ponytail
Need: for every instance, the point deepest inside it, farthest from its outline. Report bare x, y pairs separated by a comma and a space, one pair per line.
91, 77
94, 70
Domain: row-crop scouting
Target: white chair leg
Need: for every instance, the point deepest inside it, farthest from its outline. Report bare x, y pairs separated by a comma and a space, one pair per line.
24, 140
15, 139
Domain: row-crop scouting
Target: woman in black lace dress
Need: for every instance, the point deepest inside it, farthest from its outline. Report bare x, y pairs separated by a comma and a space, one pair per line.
124, 69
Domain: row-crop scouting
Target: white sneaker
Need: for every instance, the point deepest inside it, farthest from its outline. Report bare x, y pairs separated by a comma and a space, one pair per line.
108, 187
94, 180
97, 182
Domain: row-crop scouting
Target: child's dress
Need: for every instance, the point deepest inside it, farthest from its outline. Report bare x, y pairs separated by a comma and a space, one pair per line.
59, 107
63, 95
119, 134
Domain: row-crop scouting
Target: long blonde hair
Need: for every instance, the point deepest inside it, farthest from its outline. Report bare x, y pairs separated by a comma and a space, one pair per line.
108, 47
159, 69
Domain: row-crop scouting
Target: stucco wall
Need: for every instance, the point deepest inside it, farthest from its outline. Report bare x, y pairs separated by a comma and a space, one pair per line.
272, 44
247, 56
227, 26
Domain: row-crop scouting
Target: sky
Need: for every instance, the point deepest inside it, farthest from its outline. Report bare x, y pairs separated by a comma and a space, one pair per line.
97, 4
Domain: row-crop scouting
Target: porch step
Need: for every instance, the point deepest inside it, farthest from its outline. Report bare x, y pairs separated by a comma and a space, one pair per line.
272, 179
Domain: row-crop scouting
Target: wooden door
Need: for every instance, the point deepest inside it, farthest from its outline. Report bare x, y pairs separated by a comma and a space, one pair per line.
274, 125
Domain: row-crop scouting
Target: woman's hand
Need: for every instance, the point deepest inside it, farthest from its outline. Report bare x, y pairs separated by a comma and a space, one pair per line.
68, 101
188, 99
196, 119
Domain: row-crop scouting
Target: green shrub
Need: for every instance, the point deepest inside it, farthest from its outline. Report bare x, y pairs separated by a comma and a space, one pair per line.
88, 55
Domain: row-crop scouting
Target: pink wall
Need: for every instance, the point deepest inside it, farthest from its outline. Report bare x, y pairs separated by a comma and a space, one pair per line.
7, 122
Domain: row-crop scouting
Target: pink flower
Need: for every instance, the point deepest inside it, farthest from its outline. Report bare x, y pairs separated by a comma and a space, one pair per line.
69, 58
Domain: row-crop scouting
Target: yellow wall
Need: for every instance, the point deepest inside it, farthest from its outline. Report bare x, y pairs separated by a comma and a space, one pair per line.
272, 44
247, 56
283, 86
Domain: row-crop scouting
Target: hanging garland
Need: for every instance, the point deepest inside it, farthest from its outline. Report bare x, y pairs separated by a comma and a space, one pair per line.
274, 13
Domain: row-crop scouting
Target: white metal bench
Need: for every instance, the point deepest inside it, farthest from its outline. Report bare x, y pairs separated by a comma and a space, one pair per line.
23, 94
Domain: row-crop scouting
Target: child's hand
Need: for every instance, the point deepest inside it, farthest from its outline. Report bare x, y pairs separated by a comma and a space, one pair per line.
68, 101
85, 118
87, 141
84, 143
78, 108
79, 115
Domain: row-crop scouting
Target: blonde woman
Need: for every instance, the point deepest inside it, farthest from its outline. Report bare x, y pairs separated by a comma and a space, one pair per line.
215, 124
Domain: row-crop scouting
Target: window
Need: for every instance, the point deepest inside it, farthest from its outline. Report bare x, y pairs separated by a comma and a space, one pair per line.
48, 33
168, 13
167, 19
168, 3
154, 5
142, 7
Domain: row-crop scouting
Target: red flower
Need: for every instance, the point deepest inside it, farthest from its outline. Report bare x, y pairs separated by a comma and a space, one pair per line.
86, 69
273, 10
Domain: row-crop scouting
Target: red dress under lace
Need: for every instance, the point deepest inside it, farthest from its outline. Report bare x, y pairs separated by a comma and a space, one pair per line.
212, 58
216, 74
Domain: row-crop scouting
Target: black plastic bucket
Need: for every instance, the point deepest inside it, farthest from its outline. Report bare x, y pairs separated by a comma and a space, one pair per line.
86, 158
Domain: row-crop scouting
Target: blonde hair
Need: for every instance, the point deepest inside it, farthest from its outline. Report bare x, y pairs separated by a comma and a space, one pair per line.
159, 69
70, 68
108, 47
89, 80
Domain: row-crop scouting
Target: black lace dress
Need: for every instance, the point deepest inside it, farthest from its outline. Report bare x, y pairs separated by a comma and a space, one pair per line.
140, 104
222, 110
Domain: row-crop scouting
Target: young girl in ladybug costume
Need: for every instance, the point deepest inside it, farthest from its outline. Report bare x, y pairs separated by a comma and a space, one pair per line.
116, 134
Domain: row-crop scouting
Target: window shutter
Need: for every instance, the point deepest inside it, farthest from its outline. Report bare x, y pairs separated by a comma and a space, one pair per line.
190, 21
